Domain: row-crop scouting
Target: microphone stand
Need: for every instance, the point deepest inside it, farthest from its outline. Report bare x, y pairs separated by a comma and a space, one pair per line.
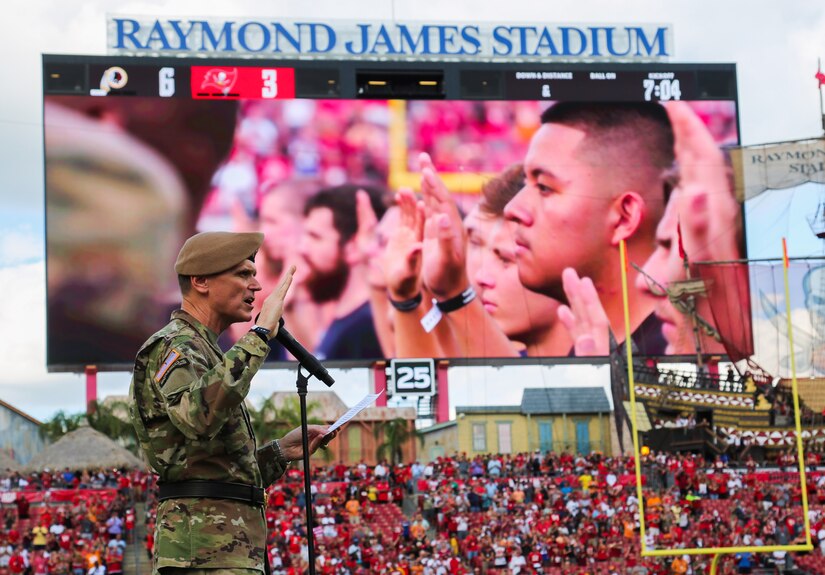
301, 383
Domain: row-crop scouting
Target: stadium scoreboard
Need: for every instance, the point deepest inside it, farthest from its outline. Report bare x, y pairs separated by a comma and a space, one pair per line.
150, 149
218, 79
408, 377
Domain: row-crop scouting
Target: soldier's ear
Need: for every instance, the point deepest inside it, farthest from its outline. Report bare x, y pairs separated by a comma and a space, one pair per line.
200, 284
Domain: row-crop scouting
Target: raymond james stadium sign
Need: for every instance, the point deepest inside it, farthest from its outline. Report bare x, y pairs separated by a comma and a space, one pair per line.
270, 38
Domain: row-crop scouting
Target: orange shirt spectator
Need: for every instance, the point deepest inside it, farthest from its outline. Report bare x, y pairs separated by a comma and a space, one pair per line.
679, 566
353, 508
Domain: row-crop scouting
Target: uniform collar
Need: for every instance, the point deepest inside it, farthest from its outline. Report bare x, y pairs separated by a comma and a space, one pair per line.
204, 331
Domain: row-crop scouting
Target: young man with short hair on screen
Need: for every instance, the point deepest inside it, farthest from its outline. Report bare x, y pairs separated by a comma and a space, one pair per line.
594, 177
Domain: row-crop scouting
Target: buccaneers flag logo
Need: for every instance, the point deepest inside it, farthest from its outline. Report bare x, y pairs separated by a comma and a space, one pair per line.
220, 79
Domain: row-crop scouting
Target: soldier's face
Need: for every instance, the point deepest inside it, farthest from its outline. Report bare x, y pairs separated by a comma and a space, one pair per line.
232, 293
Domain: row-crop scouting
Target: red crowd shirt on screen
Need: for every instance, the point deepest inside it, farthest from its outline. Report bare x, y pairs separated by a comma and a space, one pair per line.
294, 544
114, 562
22, 507
367, 557
278, 499
39, 564
65, 540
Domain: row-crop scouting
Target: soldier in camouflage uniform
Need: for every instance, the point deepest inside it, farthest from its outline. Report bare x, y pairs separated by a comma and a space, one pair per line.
188, 410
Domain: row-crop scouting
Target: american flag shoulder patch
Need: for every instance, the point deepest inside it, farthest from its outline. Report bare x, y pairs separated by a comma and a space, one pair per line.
171, 358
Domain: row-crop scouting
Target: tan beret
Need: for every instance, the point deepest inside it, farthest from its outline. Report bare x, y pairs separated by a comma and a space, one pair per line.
210, 253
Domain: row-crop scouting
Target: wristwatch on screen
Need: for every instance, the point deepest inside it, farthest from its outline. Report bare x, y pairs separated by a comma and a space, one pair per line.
263, 332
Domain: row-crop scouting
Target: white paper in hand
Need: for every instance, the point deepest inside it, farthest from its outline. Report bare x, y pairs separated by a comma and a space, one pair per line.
368, 400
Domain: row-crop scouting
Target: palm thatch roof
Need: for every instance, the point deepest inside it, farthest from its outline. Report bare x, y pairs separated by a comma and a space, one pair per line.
7, 463
84, 448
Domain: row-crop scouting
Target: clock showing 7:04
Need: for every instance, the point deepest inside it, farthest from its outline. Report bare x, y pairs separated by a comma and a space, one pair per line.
663, 89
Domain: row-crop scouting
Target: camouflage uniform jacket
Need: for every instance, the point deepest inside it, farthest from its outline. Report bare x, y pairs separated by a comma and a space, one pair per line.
188, 410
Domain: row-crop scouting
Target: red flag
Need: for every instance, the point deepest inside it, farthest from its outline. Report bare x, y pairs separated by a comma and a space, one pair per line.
820, 76
682, 253
785, 260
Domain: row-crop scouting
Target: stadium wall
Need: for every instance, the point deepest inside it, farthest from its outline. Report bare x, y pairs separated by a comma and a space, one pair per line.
19, 434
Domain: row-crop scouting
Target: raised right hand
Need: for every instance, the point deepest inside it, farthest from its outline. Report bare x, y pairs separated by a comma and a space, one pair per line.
445, 253
709, 214
584, 317
273, 307
402, 256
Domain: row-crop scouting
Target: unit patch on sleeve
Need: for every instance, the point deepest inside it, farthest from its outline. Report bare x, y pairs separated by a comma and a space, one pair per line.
174, 356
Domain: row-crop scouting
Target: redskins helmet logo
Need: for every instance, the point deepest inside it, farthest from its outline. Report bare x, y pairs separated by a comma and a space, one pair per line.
113, 78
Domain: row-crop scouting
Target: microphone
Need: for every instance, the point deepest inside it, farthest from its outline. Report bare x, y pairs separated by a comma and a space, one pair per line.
306, 359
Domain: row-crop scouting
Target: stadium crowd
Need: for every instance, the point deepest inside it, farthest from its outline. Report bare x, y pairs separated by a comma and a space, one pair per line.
541, 514
497, 514
69, 522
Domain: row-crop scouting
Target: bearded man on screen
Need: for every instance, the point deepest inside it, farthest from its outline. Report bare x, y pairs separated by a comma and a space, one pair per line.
337, 270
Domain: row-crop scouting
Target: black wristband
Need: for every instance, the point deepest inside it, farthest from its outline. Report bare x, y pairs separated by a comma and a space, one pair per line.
261, 335
407, 304
457, 302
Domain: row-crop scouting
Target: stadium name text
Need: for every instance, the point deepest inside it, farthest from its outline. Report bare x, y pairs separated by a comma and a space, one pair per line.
345, 39
808, 161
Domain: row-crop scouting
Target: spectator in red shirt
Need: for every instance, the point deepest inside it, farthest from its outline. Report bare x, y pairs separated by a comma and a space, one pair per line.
16, 562
150, 540
22, 507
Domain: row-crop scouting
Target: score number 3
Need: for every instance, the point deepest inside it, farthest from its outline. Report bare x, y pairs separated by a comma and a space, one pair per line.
270, 87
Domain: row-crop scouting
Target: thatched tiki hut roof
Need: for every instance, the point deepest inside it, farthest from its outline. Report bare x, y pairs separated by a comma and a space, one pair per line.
7, 463
84, 448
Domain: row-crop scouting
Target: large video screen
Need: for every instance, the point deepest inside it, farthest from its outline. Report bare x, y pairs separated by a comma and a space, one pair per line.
456, 226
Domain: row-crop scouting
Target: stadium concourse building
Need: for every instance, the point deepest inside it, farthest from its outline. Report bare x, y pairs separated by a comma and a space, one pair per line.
576, 420
20, 437
361, 437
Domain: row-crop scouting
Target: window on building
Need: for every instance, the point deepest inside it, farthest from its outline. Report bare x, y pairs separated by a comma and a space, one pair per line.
505, 439
583, 437
480, 437
545, 436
